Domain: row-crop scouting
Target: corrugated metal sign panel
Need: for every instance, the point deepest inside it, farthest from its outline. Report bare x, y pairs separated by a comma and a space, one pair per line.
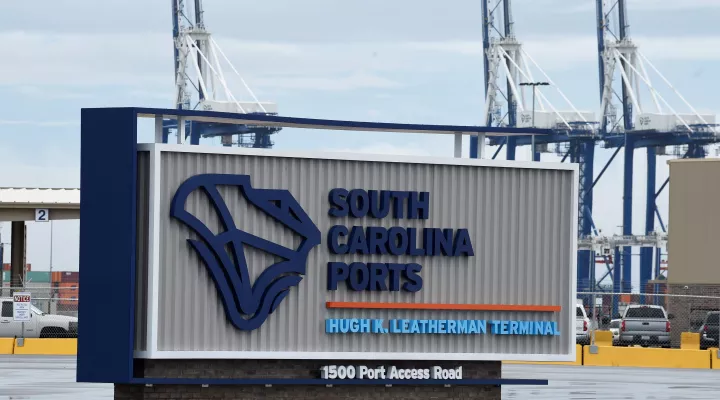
519, 220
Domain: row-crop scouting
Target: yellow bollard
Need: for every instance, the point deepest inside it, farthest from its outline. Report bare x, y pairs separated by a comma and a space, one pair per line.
603, 338
689, 341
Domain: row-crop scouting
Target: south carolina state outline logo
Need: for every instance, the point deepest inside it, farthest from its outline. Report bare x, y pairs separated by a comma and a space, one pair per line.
247, 304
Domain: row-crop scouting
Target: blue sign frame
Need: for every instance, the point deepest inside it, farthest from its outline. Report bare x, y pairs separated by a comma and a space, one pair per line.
108, 234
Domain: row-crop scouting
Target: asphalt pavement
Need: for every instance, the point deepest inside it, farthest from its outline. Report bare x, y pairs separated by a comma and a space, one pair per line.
604, 383
46, 378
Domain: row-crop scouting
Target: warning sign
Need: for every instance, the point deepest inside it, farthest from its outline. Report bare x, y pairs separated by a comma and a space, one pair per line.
21, 306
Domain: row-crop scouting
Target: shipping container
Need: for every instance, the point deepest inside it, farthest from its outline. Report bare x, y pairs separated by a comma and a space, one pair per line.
6, 267
65, 276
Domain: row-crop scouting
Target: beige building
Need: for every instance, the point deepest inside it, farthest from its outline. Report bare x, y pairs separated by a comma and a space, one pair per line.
693, 242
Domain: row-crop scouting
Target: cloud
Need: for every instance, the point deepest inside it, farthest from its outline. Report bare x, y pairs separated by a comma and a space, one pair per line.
683, 48
665, 5
143, 61
233, 46
644, 5
47, 58
39, 123
465, 47
351, 82
26, 174
51, 93
151, 94
386, 148
552, 51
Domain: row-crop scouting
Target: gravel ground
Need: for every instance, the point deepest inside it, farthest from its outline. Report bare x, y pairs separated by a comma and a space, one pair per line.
45, 378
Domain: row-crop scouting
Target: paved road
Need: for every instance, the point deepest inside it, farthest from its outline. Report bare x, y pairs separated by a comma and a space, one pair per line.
604, 383
46, 378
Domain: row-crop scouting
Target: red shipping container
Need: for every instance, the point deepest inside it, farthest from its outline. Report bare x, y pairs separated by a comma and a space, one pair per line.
70, 276
6, 267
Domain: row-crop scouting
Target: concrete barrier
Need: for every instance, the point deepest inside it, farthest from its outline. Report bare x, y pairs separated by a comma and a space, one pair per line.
689, 341
646, 357
578, 359
6, 345
607, 356
47, 347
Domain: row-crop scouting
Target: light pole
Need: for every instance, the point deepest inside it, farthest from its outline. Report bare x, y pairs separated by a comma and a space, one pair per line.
532, 137
52, 291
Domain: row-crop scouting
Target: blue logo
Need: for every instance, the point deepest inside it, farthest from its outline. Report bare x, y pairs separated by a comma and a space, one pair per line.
247, 305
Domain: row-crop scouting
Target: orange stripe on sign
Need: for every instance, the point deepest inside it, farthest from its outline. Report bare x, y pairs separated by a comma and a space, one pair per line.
441, 306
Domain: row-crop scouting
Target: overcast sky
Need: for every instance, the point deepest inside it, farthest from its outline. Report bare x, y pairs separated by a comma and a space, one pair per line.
378, 60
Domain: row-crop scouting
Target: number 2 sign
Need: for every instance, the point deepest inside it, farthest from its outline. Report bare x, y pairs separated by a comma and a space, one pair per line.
42, 215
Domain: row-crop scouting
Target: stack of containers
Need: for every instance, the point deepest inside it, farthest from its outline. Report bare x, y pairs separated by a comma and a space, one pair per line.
67, 290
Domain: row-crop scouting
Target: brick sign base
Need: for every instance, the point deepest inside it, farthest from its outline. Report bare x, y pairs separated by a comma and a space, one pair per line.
300, 369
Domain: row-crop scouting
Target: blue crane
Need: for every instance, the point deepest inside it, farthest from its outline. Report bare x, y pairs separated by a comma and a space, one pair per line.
622, 64
576, 133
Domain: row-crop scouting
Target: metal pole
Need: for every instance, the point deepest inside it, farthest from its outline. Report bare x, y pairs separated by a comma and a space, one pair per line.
595, 320
17, 256
481, 146
532, 138
51, 247
475, 139
626, 280
52, 292
646, 253
458, 145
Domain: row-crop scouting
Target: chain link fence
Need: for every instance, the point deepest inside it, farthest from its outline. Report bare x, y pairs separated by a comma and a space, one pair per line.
647, 320
53, 313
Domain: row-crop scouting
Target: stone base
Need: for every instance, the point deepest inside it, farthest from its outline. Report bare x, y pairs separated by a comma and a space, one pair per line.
300, 369
126, 392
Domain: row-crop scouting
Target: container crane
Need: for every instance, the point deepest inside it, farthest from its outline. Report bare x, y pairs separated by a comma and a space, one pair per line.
508, 70
627, 123
201, 84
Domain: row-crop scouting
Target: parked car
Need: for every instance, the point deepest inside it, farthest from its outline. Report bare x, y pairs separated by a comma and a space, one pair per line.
710, 330
644, 325
41, 325
582, 325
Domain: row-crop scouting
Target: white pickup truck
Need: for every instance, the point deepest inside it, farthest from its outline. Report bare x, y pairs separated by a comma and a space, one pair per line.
582, 325
41, 325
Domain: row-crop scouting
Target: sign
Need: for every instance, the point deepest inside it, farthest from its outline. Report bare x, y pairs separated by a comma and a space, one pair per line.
42, 215
382, 258
388, 372
21, 306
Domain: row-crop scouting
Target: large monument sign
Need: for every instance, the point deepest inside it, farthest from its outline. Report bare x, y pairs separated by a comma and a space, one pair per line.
207, 269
